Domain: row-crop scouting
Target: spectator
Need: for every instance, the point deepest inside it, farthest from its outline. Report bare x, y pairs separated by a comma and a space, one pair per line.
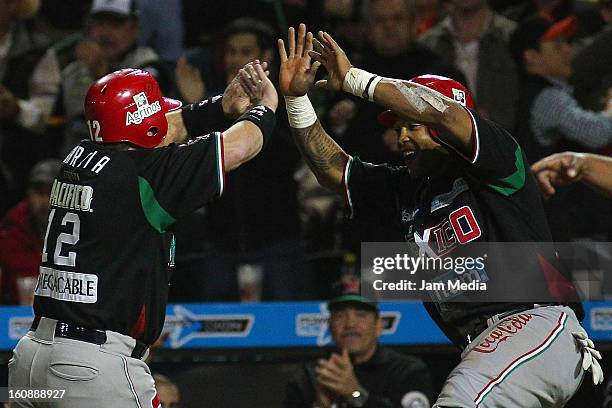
167, 391
475, 39
549, 114
254, 228
360, 373
161, 28
429, 13
21, 235
24, 95
390, 50
566, 168
550, 121
553, 10
110, 44
592, 76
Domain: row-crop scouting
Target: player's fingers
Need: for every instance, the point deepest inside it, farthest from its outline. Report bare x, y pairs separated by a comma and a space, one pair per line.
325, 41
299, 50
250, 68
314, 68
261, 75
308, 44
291, 41
246, 80
321, 84
246, 86
331, 41
281, 50
264, 65
317, 57
318, 47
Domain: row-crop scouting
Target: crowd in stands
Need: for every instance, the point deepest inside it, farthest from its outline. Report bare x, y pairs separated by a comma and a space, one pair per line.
541, 68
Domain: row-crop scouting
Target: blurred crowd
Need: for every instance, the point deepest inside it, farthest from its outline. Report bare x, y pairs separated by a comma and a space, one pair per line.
541, 68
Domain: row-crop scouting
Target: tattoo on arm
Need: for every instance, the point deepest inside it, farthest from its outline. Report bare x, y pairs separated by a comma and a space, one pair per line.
322, 154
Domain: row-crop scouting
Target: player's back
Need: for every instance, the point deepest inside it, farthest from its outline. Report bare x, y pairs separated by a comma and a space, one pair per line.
105, 262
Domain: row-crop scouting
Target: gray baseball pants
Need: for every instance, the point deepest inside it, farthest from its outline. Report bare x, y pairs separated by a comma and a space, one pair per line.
93, 376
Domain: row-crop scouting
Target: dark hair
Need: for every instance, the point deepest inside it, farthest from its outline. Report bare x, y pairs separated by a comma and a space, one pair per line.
410, 5
264, 34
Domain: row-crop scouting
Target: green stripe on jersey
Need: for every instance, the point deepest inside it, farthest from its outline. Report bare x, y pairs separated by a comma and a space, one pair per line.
154, 212
514, 182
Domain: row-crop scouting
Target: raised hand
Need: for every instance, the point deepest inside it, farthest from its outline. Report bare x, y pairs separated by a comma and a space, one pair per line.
89, 52
189, 81
297, 74
337, 64
257, 85
236, 101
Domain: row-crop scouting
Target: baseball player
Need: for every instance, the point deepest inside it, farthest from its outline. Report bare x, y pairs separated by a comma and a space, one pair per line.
101, 294
466, 175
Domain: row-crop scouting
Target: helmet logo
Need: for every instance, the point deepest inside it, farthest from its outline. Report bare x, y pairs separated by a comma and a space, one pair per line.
459, 96
143, 109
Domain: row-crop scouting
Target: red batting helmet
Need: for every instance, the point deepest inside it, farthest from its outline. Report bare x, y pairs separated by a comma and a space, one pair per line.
127, 106
446, 86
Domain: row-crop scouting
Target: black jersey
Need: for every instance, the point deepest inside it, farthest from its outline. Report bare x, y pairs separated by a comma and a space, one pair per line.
108, 248
491, 196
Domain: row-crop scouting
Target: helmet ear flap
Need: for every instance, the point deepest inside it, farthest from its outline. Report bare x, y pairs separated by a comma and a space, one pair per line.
152, 131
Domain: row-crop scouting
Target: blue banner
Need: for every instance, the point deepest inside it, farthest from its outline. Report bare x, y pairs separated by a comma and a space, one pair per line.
280, 324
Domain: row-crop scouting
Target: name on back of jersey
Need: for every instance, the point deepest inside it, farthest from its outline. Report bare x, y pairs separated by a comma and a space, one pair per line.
67, 286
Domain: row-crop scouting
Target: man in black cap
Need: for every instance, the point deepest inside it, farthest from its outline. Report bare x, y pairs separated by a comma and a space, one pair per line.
360, 373
550, 119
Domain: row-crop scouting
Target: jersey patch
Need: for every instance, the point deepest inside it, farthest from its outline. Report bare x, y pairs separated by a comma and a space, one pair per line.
67, 286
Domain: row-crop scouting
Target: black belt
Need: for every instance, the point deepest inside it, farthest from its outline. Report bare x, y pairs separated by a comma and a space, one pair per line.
94, 336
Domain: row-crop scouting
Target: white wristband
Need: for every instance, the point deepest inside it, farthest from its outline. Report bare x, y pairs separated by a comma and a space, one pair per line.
300, 112
361, 83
